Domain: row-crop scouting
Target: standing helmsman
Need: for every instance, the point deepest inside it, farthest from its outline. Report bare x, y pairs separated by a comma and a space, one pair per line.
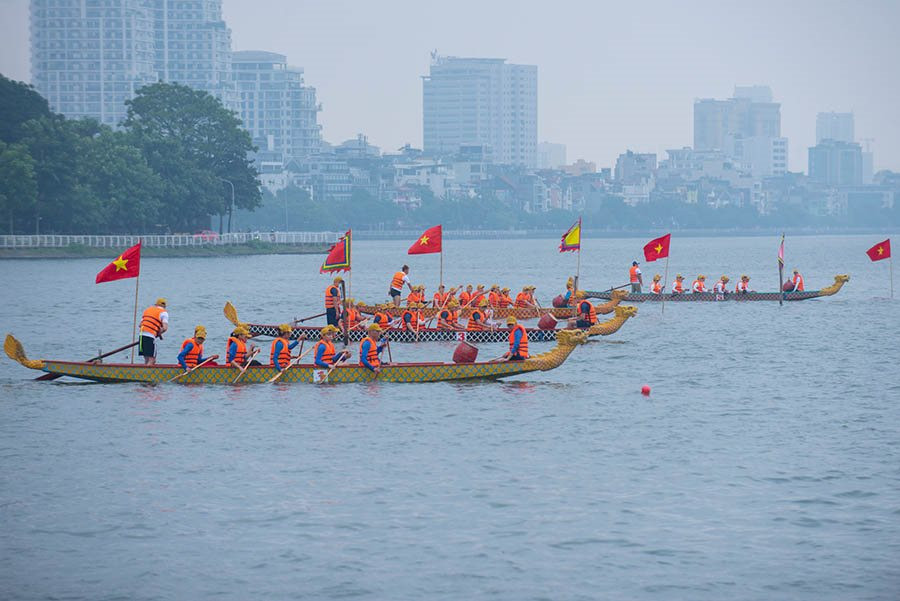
333, 302
635, 277
396, 290
154, 322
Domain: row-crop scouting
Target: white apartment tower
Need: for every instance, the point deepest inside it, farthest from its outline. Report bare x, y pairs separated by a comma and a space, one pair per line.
481, 101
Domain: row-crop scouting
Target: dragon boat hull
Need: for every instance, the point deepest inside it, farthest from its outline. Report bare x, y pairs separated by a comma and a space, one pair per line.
839, 281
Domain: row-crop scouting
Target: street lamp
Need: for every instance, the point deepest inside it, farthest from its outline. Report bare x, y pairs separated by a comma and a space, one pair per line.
230, 213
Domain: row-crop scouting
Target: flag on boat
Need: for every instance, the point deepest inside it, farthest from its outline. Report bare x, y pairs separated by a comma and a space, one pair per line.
338, 258
127, 265
429, 242
657, 248
880, 251
571, 240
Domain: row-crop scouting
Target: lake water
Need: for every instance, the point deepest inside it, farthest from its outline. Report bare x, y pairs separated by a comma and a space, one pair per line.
764, 465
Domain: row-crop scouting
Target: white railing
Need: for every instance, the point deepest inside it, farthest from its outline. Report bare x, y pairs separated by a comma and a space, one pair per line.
168, 241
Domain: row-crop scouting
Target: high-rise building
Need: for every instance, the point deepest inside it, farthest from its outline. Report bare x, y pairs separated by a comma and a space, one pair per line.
836, 163
88, 57
276, 107
635, 167
834, 126
481, 101
748, 114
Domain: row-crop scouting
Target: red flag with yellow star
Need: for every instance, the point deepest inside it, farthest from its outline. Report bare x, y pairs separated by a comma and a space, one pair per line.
657, 249
127, 265
880, 251
429, 242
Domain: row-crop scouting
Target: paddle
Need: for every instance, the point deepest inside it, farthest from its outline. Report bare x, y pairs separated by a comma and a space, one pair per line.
446, 300
47, 377
246, 365
341, 361
213, 358
308, 318
291, 364
231, 313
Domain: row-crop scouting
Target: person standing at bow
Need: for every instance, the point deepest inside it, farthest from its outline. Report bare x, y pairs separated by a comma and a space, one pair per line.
191, 353
518, 341
796, 282
396, 290
699, 284
369, 349
236, 352
280, 355
325, 356
333, 302
635, 277
656, 286
154, 321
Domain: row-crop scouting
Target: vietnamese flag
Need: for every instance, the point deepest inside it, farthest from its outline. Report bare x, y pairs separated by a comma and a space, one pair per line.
880, 251
657, 248
128, 265
429, 242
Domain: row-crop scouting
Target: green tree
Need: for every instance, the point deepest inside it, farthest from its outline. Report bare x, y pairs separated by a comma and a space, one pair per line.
18, 187
19, 102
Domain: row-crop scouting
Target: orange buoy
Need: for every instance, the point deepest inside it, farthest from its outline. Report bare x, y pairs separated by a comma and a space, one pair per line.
645, 390
465, 353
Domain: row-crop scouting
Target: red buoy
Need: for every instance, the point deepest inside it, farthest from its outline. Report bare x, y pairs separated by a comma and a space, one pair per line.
645, 390
547, 322
465, 353
559, 301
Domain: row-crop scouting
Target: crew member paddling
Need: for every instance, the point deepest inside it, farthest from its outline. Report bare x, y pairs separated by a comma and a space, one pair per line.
440, 297
465, 296
476, 320
720, 286
505, 300
237, 353
569, 296
369, 349
325, 355
678, 284
587, 313
656, 286
635, 277
396, 290
797, 282
192, 350
333, 302
449, 316
282, 346
699, 284
154, 321
743, 287
494, 296
518, 341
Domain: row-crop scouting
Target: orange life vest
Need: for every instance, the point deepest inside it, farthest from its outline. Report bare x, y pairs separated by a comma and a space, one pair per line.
741, 287
464, 298
191, 358
698, 286
523, 344
150, 321
397, 282
285, 356
656, 288
572, 300
678, 286
328, 353
505, 301
332, 297
352, 317
633, 274
412, 320
798, 282
719, 287
494, 299
373, 352
476, 321
522, 300
445, 320
587, 311
441, 299
241, 354
382, 319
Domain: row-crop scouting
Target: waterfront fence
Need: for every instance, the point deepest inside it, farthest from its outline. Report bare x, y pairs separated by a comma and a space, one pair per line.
169, 240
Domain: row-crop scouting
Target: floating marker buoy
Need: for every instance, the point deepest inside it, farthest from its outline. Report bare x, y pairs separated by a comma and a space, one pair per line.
645, 390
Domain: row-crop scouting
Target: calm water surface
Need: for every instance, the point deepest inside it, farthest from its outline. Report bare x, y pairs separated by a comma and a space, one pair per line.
765, 464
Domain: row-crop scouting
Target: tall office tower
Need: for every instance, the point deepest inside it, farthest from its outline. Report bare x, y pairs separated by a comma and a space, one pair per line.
193, 47
750, 113
88, 57
481, 101
836, 163
276, 107
834, 126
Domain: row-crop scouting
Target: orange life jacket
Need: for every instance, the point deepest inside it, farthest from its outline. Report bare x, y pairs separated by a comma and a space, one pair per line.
656, 288
476, 321
397, 281
719, 287
412, 320
475, 296
445, 320
572, 300
332, 297
678, 286
373, 352
798, 282
285, 356
523, 344
522, 300
382, 319
150, 321
587, 311
352, 317
328, 353
633, 274
741, 287
191, 358
241, 354
464, 298
698, 286
505, 301
441, 299
494, 299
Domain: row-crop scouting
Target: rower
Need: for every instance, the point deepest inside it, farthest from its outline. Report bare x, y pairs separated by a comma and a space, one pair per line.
350, 315
154, 321
236, 354
324, 352
476, 320
465, 296
479, 292
656, 286
569, 296
720, 286
494, 296
505, 300
797, 282
411, 318
743, 286
280, 355
192, 350
382, 318
678, 284
448, 317
531, 300
518, 341
586, 313
416, 296
333, 302
635, 277
488, 311
698, 285
440, 297
369, 349
396, 289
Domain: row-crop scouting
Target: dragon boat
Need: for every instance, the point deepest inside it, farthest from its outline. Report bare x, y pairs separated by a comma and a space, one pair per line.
605, 328
839, 281
307, 373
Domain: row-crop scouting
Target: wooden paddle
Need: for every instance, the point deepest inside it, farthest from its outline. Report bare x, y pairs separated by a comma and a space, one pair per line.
47, 377
246, 365
308, 318
336, 363
184, 373
292, 363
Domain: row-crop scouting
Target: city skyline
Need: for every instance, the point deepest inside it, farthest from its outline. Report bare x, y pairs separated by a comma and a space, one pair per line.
637, 94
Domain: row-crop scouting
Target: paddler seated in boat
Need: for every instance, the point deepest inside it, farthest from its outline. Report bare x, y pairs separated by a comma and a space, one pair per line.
416, 296
699, 284
478, 294
333, 302
494, 296
488, 311
569, 296
440, 297
505, 300
518, 341
720, 286
635, 278
154, 321
325, 356
477, 318
282, 346
369, 349
743, 287
351, 315
237, 352
796, 282
448, 317
531, 300
586, 313
396, 290
411, 318
191, 353
465, 296
656, 286
524, 298
382, 318
678, 284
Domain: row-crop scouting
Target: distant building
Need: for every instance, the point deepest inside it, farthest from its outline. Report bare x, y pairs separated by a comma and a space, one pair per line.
580, 167
635, 168
357, 148
834, 126
750, 113
762, 156
550, 155
481, 101
836, 163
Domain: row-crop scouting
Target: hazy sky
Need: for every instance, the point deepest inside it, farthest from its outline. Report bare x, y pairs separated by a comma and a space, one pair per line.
611, 75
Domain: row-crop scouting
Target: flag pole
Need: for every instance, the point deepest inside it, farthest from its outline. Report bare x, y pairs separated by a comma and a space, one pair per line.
665, 284
137, 281
442, 263
891, 268
781, 272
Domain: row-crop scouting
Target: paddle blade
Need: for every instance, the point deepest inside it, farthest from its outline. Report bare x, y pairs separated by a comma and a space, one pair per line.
231, 313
